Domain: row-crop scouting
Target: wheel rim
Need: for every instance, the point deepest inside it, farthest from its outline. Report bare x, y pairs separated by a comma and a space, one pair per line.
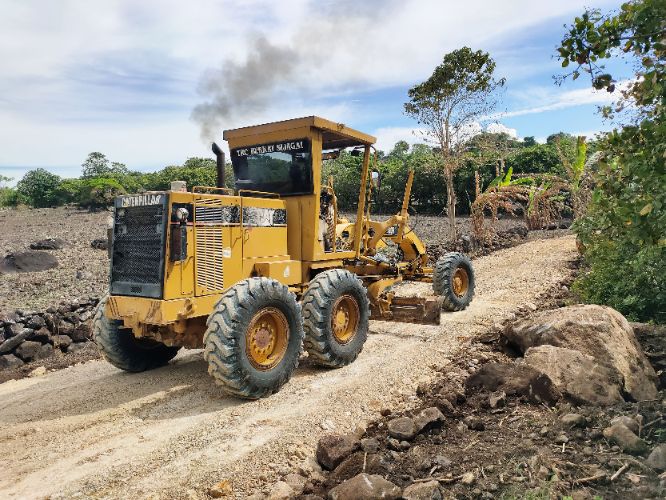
344, 319
460, 282
267, 338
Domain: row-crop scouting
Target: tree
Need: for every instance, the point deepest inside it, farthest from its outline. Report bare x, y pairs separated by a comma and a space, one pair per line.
96, 165
458, 94
529, 141
624, 228
39, 187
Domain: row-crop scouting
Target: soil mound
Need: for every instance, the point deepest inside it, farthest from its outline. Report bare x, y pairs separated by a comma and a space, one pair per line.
27, 262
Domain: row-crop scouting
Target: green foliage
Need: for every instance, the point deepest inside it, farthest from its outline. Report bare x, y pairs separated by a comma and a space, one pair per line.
624, 230
99, 192
195, 172
38, 187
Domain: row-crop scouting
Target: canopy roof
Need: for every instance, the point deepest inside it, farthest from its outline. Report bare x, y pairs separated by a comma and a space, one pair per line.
335, 135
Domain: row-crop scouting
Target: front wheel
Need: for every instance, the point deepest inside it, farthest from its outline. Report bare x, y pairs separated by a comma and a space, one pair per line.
123, 350
254, 338
336, 315
453, 279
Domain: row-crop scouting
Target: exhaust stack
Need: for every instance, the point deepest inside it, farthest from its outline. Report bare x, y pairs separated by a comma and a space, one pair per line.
219, 154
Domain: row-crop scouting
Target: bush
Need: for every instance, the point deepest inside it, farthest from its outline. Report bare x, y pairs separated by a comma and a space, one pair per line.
69, 191
10, 197
99, 192
629, 278
38, 187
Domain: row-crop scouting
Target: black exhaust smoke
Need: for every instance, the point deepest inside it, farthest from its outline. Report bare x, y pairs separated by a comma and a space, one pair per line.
219, 154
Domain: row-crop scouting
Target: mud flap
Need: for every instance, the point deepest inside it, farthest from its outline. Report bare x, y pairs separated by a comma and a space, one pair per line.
421, 310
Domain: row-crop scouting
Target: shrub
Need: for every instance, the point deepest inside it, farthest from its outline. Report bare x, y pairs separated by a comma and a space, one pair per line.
38, 187
99, 192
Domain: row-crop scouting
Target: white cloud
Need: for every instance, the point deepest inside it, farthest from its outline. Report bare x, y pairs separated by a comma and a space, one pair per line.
547, 99
500, 128
121, 76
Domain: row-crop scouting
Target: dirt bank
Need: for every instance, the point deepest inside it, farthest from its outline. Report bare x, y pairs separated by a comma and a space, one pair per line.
170, 433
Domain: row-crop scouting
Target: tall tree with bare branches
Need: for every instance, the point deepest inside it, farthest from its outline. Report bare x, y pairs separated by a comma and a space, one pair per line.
460, 93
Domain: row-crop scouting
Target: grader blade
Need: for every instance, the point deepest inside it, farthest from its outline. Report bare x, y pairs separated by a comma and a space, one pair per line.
424, 311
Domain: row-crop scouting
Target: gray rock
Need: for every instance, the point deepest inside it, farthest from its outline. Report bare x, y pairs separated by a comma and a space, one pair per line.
365, 487
442, 461
599, 332
13, 329
497, 400
402, 428
42, 335
474, 423
657, 458
62, 341
428, 418
47, 244
629, 422
15, 341
370, 445
578, 376
574, 420
65, 328
515, 380
100, 244
281, 491
45, 351
422, 491
332, 449
296, 482
621, 435
81, 333
561, 439
36, 322
76, 346
8, 361
31, 350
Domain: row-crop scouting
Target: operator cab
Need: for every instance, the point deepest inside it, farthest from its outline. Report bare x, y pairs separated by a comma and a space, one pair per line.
283, 168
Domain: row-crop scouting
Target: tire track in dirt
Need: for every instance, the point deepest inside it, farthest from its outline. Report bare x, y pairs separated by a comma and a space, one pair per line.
170, 433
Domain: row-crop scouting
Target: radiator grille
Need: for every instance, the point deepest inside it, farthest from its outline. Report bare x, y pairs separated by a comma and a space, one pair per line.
209, 221
210, 275
137, 250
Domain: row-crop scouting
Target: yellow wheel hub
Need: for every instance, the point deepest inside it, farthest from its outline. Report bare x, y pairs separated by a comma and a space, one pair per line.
460, 282
345, 317
266, 339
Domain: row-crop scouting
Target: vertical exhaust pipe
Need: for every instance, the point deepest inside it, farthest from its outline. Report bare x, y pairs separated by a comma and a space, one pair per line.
219, 154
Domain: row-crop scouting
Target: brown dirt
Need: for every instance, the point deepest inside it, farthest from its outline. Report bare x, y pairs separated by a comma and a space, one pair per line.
170, 433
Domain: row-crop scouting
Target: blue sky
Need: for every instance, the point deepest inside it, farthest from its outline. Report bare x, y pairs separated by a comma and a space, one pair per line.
122, 77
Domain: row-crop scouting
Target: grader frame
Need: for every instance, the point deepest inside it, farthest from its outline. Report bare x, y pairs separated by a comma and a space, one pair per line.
186, 266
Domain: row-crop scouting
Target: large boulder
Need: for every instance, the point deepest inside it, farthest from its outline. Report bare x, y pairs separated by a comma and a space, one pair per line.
578, 376
596, 331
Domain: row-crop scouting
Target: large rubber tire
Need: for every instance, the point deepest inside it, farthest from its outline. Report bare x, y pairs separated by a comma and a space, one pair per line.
318, 303
225, 340
443, 280
123, 350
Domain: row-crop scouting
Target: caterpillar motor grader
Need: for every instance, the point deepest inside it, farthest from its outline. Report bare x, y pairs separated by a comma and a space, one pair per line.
254, 275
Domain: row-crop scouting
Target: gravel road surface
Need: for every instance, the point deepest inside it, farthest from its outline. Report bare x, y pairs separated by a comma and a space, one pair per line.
93, 431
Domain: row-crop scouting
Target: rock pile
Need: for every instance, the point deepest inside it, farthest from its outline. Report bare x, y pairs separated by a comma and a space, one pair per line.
27, 336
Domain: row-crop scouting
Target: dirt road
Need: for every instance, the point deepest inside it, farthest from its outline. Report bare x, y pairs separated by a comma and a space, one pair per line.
93, 431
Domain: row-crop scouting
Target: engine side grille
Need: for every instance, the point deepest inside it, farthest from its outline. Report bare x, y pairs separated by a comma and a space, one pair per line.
211, 217
138, 251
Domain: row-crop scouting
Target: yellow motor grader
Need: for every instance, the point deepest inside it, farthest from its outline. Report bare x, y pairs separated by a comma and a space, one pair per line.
254, 275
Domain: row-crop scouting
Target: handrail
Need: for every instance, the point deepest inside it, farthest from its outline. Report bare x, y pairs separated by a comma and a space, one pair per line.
241, 191
213, 188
